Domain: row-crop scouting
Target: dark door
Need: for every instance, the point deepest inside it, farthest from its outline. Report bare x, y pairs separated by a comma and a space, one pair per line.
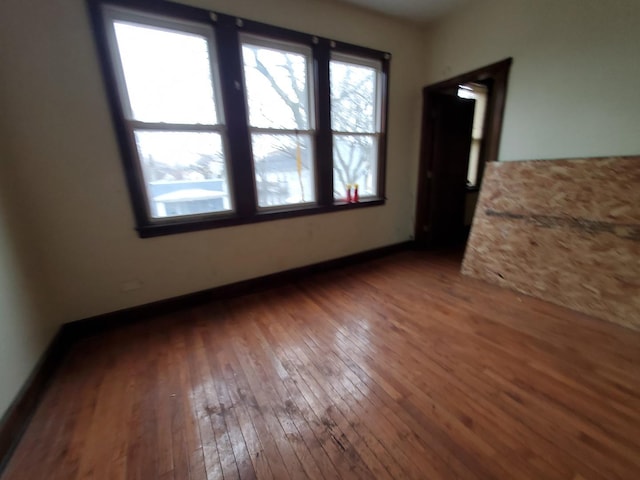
448, 121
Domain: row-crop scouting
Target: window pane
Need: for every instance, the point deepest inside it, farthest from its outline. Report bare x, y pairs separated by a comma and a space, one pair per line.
184, 172
167, 74
277, 89
353, 97
355, 161
474, 156
284, 169
480, 94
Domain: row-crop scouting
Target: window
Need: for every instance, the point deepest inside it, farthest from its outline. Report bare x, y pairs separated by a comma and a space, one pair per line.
355, 124
167, 78
223, 121
278, 84
479, 93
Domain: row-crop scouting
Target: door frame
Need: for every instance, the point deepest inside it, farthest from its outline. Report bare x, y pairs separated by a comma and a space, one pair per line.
495, 77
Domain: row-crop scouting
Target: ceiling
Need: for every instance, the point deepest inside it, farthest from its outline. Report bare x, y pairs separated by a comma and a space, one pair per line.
420, 11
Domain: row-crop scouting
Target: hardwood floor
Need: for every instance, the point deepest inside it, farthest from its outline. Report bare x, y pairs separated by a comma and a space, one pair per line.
398, 368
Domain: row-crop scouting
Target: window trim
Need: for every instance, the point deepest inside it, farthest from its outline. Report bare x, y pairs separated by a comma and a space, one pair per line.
113, 14
306, 51
376, 133
226, 30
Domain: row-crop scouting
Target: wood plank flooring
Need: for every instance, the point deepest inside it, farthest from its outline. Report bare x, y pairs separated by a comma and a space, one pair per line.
398, 368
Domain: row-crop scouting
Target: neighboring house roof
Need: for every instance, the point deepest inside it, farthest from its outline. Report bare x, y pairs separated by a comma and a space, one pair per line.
187, 195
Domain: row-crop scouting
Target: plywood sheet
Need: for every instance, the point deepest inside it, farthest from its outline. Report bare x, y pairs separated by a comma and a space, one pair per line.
567, 231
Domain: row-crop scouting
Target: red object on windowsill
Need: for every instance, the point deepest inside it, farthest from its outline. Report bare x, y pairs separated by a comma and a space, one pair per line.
356, 198
349, 200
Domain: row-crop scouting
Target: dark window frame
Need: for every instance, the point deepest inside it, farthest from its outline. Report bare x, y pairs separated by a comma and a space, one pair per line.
226, 30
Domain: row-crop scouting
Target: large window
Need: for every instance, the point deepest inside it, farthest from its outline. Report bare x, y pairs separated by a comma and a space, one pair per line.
223, 121
167, 81
278, 84
355, 122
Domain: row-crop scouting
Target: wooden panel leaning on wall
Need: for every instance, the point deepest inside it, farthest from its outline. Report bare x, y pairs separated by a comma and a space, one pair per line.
567, 231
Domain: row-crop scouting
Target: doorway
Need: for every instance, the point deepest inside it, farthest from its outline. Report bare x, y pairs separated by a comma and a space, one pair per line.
453, 155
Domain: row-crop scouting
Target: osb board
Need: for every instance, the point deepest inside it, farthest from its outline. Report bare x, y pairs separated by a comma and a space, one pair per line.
567, 231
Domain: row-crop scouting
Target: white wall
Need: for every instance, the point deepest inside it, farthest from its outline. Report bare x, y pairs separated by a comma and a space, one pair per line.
24, 333
73, 191
573, 89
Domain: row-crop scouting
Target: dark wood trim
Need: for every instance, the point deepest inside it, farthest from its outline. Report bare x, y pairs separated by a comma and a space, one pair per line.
358, 51
240, 161
324, 138
384, 127
18, 415
100, 323
156, 230
424, 189
482, 74
274, 32
17, 418
495, 77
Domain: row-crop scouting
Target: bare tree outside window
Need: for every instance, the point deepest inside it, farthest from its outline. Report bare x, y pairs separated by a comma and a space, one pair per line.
354, 114
168, 81
354, 121
277, 82
203, 148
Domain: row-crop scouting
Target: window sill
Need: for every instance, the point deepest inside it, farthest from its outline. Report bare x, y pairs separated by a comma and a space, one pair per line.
171, 227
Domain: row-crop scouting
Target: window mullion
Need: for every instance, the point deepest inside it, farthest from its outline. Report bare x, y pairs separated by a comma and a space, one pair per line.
383, 96
324, 138
356, 134
280, 131
175, 127
233, 96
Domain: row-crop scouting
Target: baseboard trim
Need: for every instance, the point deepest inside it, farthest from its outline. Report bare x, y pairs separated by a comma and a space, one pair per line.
15, 421
100, 323
17, 417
